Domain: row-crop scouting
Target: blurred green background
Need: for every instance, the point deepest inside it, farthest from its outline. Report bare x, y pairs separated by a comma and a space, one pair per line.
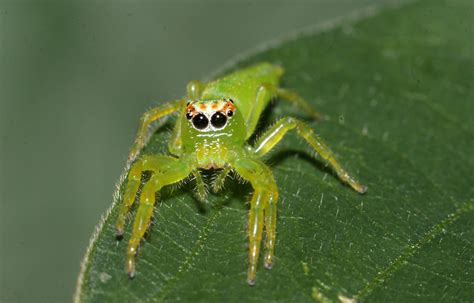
74, 79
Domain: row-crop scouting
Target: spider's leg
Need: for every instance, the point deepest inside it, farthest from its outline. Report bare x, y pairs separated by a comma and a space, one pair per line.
262, 210
146, 163
133, 183
297, 101
147, 120
270, 228
166, 170
282, 126
265, 93
194, 89
220, 179
175, 143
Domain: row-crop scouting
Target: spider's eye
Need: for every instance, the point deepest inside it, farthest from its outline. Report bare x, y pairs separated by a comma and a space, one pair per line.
218, 120
189, 115
200, 121
230, 113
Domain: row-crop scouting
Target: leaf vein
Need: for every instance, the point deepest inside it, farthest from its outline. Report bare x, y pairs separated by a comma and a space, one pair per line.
411, 250
195, 251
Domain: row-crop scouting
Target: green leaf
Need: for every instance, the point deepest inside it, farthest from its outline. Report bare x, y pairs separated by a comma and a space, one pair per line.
398, 88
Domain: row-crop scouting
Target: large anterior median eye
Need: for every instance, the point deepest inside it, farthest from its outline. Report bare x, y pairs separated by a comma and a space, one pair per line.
200, 121
218, 120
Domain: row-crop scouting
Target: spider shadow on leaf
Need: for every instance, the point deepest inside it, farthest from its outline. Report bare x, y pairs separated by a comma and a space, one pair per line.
277, 158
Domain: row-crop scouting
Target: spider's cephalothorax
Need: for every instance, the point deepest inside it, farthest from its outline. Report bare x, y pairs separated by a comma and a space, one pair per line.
212, 132
211, 128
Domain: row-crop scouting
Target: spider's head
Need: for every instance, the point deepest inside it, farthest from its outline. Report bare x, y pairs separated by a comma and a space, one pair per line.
207, 116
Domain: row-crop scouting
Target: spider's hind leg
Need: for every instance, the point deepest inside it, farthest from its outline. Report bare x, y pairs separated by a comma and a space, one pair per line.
194, 89
297, 101
264, 94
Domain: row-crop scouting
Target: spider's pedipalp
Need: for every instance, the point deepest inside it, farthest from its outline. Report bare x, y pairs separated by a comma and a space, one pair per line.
219, 180
201, 187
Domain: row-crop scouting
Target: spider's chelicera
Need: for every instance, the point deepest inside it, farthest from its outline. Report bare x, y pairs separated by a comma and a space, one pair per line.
212, 132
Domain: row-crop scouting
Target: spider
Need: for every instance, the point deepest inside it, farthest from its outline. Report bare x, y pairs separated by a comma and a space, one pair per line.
212, 131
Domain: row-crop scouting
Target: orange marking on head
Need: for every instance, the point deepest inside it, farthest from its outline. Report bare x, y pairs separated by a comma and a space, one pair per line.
202, 106
214, 106
190, 109
230, 105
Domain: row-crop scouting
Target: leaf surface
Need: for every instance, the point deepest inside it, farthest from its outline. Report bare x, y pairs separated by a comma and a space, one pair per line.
398, 88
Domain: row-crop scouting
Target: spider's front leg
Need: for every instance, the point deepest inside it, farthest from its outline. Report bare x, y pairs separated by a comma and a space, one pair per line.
165, 170
262, 211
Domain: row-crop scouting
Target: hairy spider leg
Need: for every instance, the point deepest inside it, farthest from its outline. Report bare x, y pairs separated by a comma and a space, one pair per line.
133, 183
282, 126
146, 163
165, 170
262, 209
267, 92
297, 101
146, 121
